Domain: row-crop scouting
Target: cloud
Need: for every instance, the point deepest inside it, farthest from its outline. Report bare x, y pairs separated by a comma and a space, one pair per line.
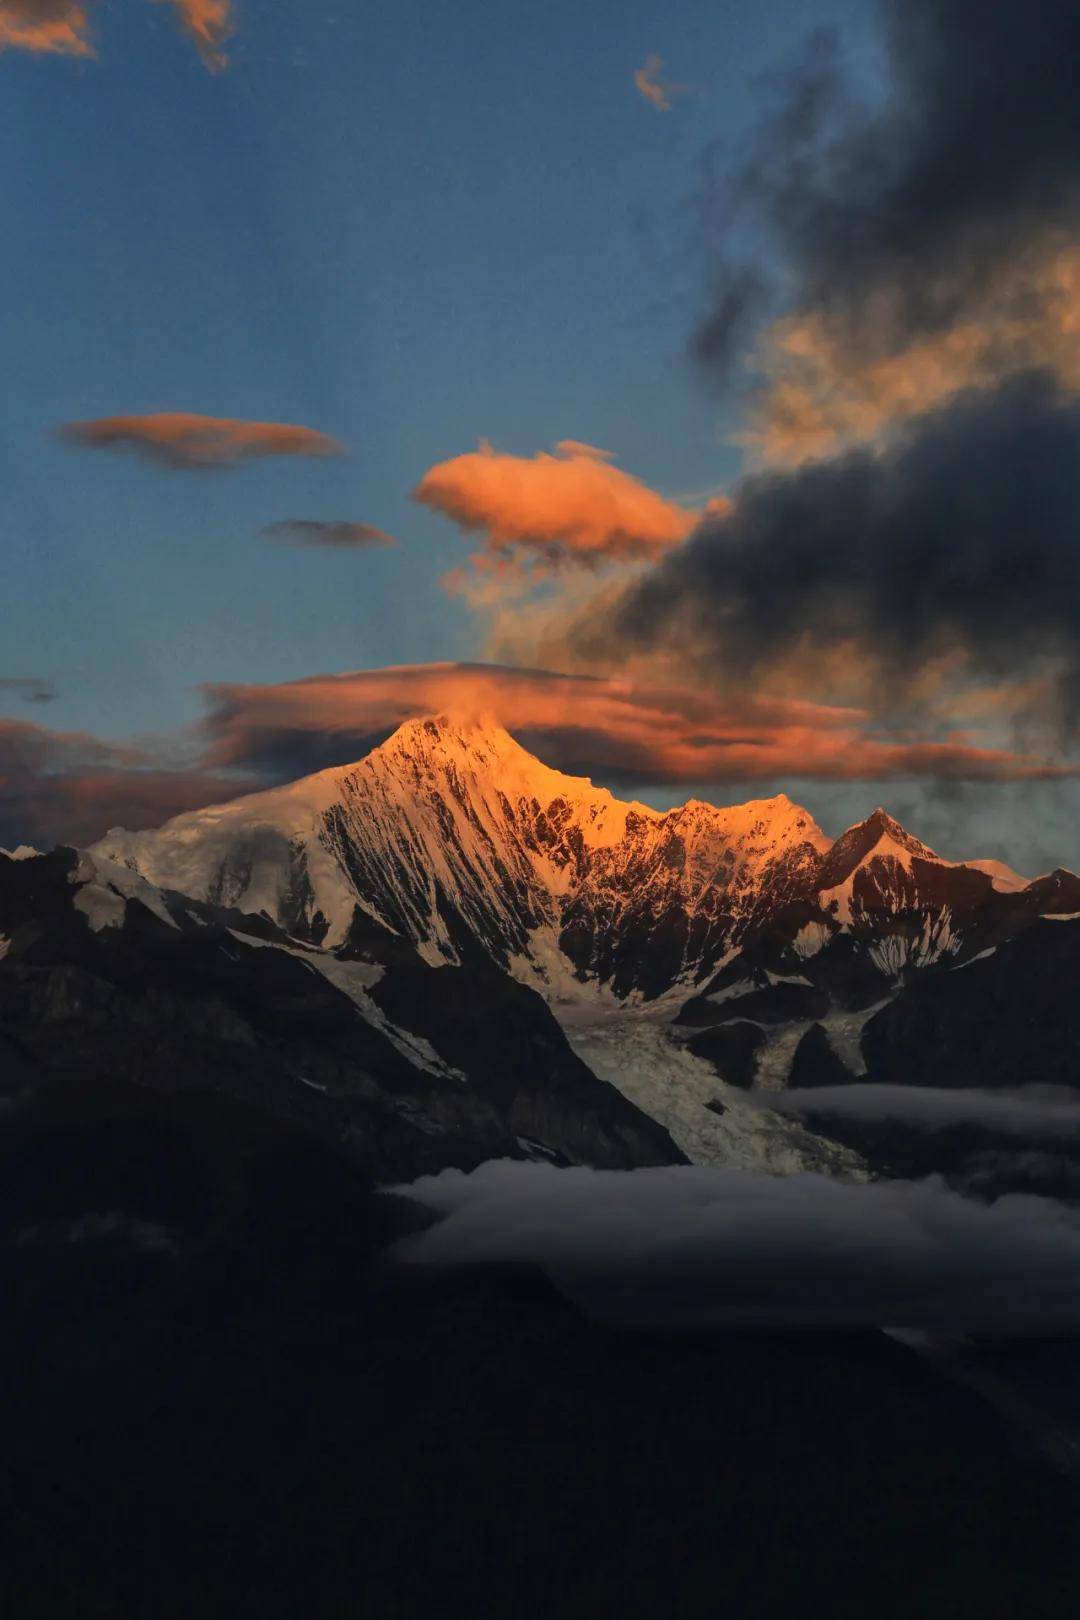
574, 447
945, 559
824, 391
70, 787
922, 244
687, 1246
148, 1237
657, 91
181, 439
341, 536
1034, 1113
552, 511
45, 27
61, 27
209, 24
613, 729
30, 688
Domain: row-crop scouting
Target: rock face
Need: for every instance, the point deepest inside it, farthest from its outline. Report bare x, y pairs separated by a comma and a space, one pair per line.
1009, 1019
816, 1063
732, 1049
450, 836
105, 978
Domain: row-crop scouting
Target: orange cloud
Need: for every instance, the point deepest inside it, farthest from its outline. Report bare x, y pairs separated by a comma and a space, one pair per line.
574, 447
45, 27
209, 23
69, 787
548, 511
184, 439
599, 726
61, 27
659, 92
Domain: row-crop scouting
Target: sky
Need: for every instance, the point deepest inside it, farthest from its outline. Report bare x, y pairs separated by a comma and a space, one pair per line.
440, 244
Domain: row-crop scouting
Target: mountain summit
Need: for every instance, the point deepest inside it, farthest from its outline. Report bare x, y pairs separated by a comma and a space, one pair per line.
454, 837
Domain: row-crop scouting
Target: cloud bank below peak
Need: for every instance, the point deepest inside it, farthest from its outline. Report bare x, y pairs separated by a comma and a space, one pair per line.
690, 1247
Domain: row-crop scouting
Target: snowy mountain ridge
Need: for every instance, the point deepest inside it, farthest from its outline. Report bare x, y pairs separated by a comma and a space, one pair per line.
455, 838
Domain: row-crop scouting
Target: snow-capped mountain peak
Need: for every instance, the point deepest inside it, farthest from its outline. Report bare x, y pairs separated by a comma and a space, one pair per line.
454, 837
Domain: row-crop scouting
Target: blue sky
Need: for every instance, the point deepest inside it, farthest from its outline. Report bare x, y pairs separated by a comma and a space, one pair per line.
410, 227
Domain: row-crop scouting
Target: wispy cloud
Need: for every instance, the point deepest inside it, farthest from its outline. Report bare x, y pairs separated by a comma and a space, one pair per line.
45, 27
339, 536
209, 23
1034, 1114
183, 439
62, 27
30, 688
658, 91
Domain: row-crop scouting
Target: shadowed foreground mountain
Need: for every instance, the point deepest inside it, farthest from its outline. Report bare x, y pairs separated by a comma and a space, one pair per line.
409, 1068
219, 1402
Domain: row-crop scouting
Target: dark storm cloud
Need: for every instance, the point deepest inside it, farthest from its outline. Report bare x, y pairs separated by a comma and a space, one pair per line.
975, 150
960, 539
334, 536
697, 1247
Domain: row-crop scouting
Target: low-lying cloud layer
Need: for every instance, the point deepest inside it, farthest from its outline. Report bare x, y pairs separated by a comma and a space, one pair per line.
1033, 1114
710, 1248
185, 439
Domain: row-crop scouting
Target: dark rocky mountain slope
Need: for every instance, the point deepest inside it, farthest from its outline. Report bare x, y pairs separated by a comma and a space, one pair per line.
409, 1068
219, 1402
